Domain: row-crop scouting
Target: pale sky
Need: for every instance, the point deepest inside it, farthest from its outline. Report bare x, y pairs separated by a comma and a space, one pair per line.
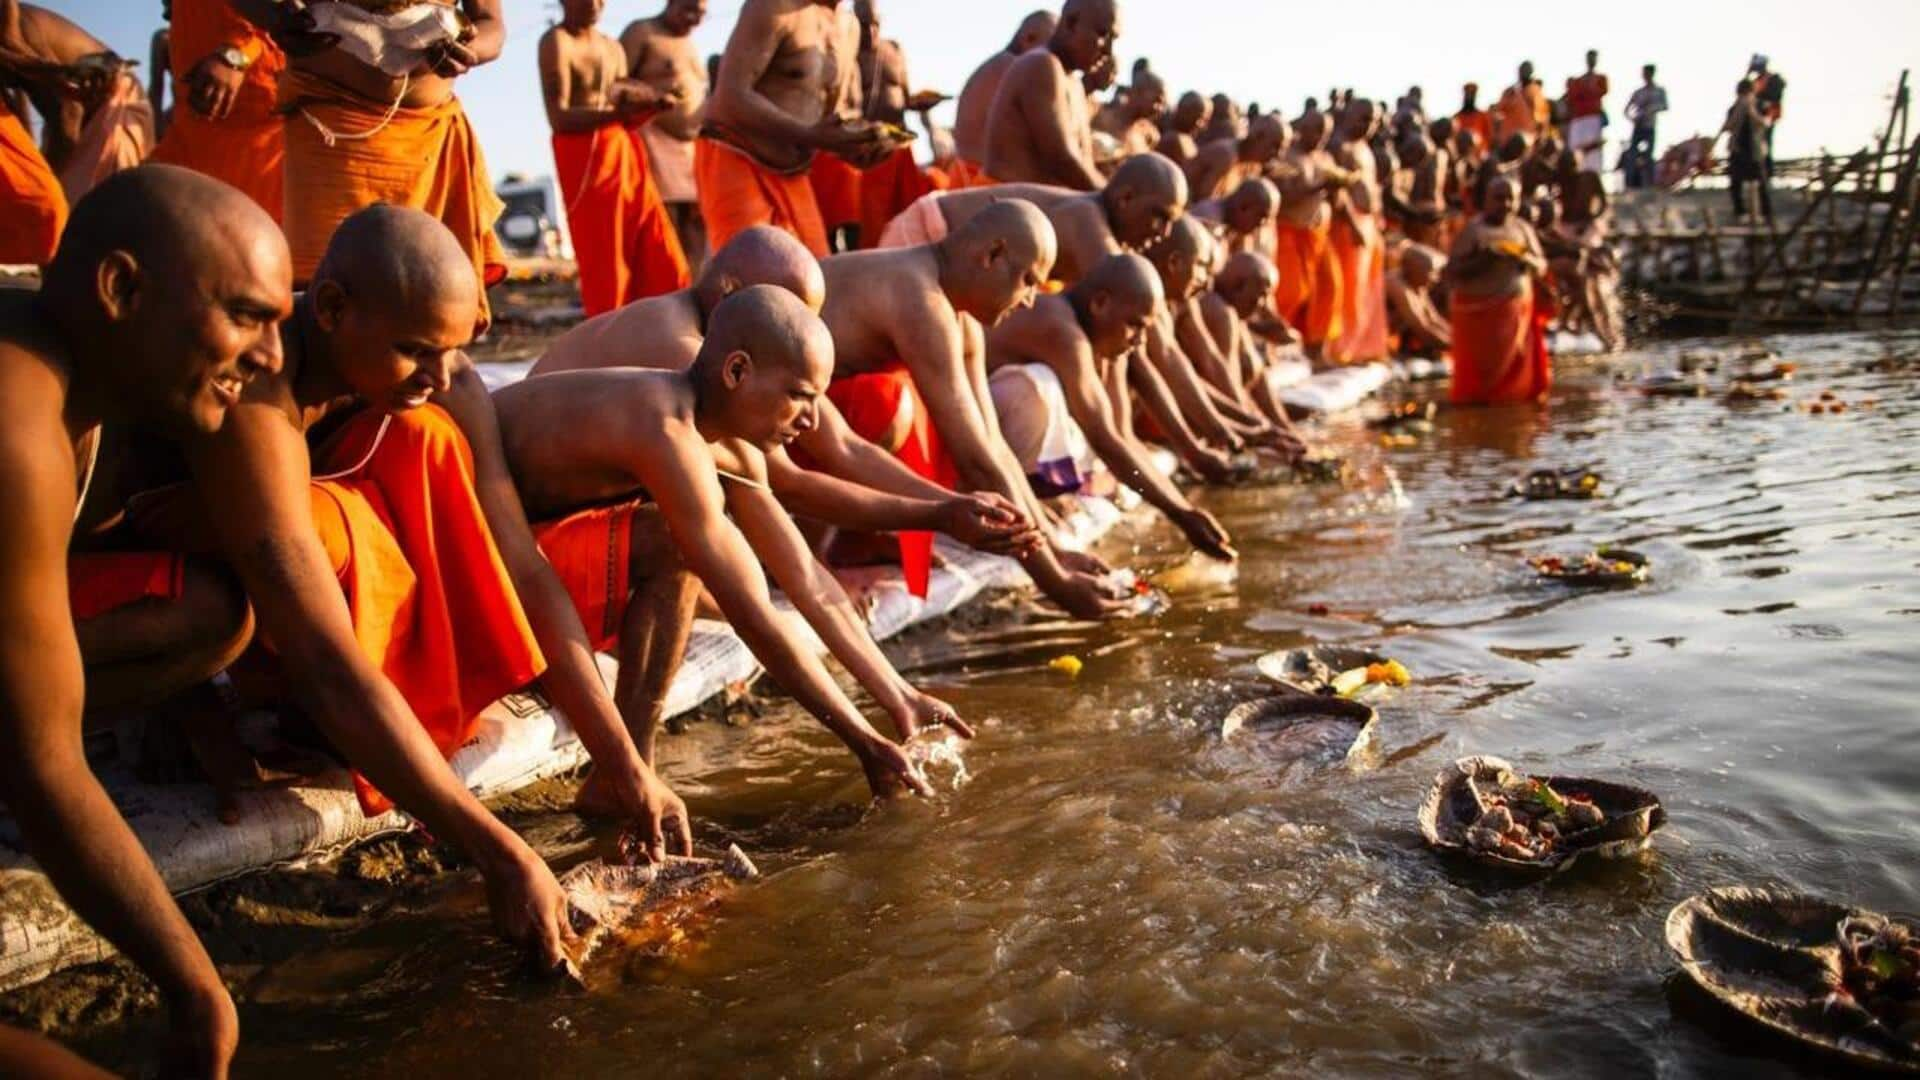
1841, 58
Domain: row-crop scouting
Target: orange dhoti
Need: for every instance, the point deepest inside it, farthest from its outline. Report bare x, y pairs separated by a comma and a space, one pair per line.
246, 149
591, 552
887, 190
875, 404
966, 174
836, 189
33, 209
1363, 296
1309, 295
737, 193
119, 135
1499, 349
623, 242
425, 158
432, 603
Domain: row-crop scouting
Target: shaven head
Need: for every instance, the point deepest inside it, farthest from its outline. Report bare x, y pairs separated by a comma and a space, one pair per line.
1359, 119
998, 260
1147, 95
1498, 202
1086, 32
1034, 31
1251, 206
1144, 197
1116, 301
1421, 265
1191, 113
1267, 137
765, 362
1184, 259
170, 287
1246, 281
1311, 130
762, 255
395, 300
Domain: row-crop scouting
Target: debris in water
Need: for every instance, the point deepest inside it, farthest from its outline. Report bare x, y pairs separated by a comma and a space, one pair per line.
1067, 665
644, 906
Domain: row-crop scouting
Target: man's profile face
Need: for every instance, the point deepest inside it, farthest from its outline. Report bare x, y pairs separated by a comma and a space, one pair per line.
1015, 278
683, 16
582, 12
776, 402
395, 356
1091, 36
1143, 219
209, 332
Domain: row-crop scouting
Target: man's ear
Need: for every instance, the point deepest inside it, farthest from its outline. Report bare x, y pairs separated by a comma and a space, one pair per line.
995, 252
117, 283
329, 303
730, 284
735, 369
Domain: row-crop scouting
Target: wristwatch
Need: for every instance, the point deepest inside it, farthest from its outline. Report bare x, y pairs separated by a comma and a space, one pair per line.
233, 58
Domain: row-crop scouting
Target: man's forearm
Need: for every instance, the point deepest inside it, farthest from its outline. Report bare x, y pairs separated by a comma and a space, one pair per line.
572, 679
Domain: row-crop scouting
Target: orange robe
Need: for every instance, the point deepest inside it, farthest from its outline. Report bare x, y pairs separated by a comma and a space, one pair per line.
428, 159
591, 551
836, 188
737, 193
969, 174
887, 190
871, 402
1479, 122
432, 604
1309, 295
248, 148
119, 135
33, 209
1499, 349
99, 582
623, 241
1363, 297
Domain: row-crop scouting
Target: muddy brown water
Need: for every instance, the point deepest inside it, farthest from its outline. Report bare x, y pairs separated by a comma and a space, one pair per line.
1118, 892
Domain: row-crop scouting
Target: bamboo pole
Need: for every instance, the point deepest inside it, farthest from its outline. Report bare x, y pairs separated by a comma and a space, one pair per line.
1902, 183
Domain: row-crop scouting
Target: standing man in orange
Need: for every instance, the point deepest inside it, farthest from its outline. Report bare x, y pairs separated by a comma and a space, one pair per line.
33, 208
781, 97
623, 241
1472, 117
1311, 290
1359, 240
1039, 130
1523, 108
661, 53
226, 73
897, 182
371, 117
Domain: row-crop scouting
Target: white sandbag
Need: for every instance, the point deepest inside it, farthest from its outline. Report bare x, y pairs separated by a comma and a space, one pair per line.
1337, 390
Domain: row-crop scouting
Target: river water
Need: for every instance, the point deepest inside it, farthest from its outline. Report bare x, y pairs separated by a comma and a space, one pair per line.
1117, 891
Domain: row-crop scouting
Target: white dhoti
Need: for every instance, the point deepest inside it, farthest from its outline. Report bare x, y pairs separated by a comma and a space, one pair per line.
671, 161
1051, 448
1586, 137
919, 224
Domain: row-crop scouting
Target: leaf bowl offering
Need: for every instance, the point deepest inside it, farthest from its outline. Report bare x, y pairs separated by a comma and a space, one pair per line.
1841, 980
1333, 670
1480, 809
1540, 484
1605, 567
1305, 725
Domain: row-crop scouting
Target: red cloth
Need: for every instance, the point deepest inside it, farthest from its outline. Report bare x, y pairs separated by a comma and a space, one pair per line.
1310, 295
737, 193
432, 603
33, 208
887, 189
1586, 94
248, 149
871, 403
592, 550
623, 241
1479, 122
966, 174
836, 188
99, 582
1499, 349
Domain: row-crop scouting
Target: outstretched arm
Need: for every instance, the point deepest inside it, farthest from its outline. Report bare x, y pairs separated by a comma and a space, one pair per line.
680, 474
1144, 378
817, 595
69, 824
572, 678
1183, 382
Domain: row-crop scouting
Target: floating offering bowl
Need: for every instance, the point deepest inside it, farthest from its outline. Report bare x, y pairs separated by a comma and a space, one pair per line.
1575, 483
1322, 469
1838, 979
1606, 567
1332, 670
643, 904
1340, 727
1481, 809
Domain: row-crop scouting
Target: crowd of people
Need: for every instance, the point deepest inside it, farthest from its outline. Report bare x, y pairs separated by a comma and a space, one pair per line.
251, 463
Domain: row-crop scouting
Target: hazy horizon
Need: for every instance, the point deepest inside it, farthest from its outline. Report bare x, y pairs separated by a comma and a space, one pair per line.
1840, 79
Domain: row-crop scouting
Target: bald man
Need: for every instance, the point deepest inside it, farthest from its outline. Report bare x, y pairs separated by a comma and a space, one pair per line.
1499, 339
787, 91
158, 310
595, 448
1059, 377
1222, 165
1039, 128
1421, 206
1417, 323
1132, 118
1177, 411
371, 518
1245, 216
1179, 136
1359, 239
1225, 120
1310, 296
975, 105
1132, 211
910, 369
886, 94
624, 245
661, 53
1236, 317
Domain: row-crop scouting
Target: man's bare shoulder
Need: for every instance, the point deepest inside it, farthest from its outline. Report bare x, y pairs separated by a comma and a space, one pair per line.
1036, 68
